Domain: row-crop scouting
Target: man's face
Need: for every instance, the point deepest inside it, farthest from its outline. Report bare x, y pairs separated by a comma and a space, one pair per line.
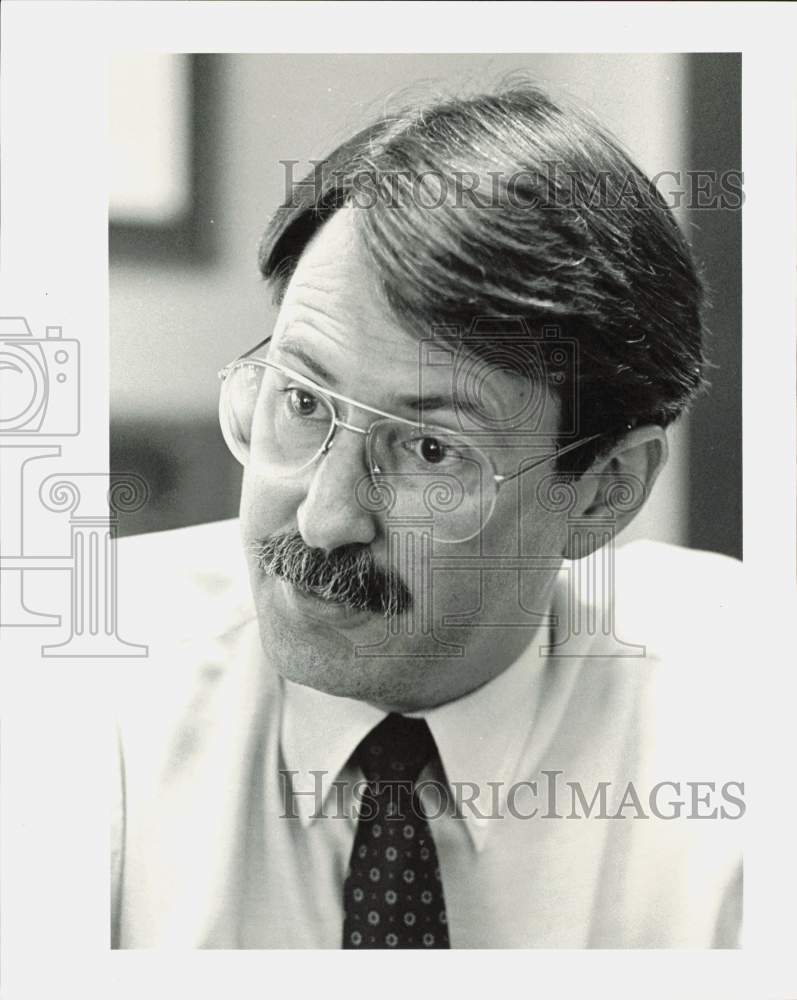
335, 328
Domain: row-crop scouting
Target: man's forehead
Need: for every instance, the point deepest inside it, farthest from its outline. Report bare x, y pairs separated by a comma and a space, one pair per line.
335, 261
433, 381
335, 293
336, 326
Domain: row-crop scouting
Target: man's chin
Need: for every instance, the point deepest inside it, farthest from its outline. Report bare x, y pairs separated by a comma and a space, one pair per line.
307, 645
316, 654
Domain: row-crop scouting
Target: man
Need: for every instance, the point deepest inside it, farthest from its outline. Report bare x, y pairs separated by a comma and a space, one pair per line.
449, 713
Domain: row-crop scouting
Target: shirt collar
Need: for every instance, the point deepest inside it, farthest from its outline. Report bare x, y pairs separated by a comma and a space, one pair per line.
318, 734
479, 737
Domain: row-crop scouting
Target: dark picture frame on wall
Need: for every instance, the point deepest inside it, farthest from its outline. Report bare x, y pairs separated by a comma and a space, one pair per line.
187, 90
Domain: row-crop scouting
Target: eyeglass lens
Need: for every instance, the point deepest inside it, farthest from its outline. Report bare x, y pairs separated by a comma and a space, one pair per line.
430, 474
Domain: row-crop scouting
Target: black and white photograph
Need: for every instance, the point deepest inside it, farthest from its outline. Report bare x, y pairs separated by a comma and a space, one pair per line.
427, 659
398, 524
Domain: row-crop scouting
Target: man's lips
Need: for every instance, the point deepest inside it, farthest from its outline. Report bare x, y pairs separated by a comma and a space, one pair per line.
308, 605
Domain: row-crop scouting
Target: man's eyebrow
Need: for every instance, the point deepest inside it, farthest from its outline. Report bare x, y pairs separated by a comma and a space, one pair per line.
289, 345
431, 403
420, 404
426, 402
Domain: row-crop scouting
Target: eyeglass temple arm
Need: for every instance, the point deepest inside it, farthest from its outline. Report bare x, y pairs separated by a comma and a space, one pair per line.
541, 461
247, 354
256, 348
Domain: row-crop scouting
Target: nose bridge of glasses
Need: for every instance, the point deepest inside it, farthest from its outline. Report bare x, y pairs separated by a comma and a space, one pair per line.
338, 422
350, 427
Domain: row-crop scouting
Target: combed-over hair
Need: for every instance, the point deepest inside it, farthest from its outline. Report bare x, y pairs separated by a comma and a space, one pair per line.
506, 206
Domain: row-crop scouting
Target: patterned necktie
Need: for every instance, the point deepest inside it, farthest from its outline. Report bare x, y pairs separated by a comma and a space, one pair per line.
393, 895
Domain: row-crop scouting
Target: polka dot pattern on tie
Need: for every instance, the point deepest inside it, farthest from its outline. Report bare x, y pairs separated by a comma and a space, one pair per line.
393, 893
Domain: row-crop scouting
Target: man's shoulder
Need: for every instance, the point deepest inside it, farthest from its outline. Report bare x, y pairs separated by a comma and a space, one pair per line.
184, 583
667, 596
676, 625
211, 553
185, 595
657, 561
659, 620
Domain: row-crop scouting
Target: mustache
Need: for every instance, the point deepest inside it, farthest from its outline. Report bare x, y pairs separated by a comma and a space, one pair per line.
348, 575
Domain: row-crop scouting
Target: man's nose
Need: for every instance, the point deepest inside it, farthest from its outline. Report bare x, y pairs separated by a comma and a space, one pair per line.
330, 514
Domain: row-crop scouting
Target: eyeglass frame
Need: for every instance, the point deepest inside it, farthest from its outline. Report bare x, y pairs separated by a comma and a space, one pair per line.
498, 478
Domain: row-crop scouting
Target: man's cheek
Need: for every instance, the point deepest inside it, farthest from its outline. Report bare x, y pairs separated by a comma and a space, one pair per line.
266, 506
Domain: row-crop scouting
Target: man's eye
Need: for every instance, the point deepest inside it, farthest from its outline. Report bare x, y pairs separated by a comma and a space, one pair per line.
302, 402
432, 450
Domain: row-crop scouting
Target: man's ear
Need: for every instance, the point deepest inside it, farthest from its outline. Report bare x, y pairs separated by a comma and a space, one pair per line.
617, 484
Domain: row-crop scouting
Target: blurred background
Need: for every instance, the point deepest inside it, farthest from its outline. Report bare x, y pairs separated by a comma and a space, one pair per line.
196, 144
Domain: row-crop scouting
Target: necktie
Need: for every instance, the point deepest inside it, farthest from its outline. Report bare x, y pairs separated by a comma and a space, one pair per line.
393, 895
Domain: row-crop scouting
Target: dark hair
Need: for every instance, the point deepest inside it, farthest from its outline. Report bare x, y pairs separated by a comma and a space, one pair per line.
507, 205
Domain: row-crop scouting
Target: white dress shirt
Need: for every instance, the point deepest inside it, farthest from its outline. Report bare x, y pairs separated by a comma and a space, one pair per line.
235, 794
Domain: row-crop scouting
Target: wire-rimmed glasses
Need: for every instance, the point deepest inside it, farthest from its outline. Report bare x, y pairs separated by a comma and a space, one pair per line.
286, 421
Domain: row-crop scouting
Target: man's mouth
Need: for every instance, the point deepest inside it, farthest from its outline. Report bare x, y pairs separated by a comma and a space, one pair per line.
307, 590
309, 611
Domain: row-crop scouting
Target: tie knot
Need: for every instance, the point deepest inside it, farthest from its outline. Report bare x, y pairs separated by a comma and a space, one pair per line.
396, 750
